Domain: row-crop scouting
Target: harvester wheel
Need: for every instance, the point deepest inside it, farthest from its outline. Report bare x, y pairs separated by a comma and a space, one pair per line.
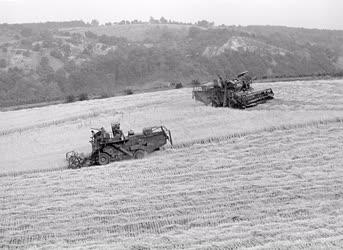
103, 159
139, 154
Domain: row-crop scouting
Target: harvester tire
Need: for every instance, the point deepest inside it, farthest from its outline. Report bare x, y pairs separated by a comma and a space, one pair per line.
103, 159
139, 154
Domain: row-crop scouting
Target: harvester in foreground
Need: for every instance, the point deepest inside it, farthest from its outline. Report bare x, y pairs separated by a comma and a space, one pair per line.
107, 148
235, 93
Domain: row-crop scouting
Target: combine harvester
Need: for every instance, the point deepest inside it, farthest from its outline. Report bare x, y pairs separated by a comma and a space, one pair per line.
106, 148
235, 93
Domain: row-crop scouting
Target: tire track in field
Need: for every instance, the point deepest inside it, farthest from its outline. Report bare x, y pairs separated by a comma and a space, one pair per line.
101, 109
174, 108
57, 122
209, 140
267, 129
256, 191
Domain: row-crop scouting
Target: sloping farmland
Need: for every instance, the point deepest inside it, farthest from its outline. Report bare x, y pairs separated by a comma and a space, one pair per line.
280, 188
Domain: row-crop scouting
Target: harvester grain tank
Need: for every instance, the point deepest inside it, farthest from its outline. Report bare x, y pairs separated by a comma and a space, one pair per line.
235, 93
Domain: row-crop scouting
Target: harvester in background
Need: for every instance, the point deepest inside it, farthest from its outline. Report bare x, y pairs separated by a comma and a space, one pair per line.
234, 93
107, 148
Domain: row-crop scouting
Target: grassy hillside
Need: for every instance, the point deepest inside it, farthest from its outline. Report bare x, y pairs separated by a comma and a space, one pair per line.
49, 61
134, 32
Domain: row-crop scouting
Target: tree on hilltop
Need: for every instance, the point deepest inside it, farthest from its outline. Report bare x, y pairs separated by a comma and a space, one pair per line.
153, 20
205, 23
163, 20
95, 22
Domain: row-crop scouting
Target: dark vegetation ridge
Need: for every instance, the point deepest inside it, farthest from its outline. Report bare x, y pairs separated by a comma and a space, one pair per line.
55, 60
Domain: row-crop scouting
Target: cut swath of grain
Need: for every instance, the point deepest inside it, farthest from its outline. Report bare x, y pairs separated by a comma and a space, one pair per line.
252, 132
278, 188
43, 135
93, 114
214, 139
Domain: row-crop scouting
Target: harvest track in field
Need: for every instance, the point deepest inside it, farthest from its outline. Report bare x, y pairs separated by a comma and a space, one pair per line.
206, 141
281, 188
37, 139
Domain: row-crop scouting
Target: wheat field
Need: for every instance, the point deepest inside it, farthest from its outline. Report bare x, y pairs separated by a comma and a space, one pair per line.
280, 189
38, 138
270, 177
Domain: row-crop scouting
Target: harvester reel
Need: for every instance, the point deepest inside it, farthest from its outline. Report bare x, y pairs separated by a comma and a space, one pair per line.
75, 160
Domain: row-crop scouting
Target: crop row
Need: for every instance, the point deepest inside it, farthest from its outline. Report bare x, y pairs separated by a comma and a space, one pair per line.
255, 191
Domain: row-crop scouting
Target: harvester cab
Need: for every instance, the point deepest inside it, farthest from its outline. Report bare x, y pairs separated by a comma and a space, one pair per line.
117, 132
246, 80
242, 82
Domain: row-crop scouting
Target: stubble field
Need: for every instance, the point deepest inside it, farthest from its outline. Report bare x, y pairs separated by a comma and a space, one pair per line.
268, 177
38, 138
